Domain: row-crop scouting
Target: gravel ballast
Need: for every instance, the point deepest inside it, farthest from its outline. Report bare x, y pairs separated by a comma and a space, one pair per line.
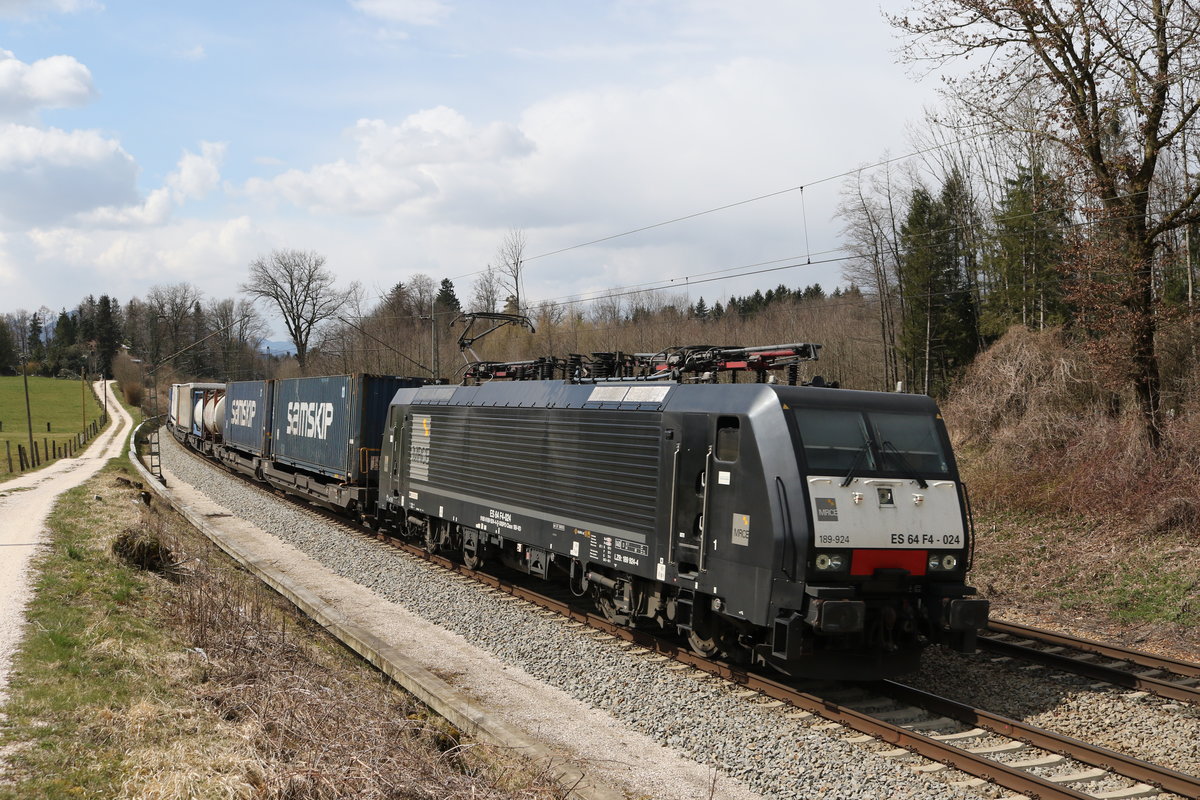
1162, 731
773, 752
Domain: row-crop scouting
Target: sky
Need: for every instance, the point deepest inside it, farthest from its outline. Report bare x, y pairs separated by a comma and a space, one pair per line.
146, 144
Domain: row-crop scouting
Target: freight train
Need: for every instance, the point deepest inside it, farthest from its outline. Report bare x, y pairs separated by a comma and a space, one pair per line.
820, 531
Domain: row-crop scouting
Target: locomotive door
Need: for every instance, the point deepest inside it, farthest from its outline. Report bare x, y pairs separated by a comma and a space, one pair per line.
693, 459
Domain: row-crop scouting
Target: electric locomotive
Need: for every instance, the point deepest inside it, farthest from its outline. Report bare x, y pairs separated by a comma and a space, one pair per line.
823, 532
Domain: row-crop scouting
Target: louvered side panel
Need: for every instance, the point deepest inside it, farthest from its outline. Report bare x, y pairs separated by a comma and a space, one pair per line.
595, 466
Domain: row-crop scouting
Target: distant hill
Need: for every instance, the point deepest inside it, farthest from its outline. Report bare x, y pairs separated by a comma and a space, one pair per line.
284, 348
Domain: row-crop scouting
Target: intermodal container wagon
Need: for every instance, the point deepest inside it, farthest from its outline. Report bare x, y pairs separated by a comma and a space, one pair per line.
181, 411
332, 426
247, 423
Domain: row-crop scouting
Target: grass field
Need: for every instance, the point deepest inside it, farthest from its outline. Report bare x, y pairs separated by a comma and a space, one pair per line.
53, 402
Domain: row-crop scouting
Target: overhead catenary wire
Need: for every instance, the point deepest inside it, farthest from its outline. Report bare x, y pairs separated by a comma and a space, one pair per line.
761, 267
746, 201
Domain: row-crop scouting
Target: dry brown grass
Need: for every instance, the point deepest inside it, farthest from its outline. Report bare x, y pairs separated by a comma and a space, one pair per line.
208, 685
1035, 430
1079, 522
314, 723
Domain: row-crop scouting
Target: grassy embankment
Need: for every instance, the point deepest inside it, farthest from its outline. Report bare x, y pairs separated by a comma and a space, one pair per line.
59, 403
1077, 519
170, 673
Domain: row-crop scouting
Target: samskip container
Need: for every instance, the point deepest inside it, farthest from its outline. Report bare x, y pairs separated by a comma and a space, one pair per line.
247, 419
332, 425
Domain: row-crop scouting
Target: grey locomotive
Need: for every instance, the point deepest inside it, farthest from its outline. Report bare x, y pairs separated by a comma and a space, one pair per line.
824, 532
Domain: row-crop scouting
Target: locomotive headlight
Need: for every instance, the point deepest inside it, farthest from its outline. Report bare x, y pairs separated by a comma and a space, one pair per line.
944, 562
830, 562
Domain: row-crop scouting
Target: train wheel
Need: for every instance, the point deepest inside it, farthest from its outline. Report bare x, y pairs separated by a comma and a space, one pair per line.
472, 551
607, 607
709, 647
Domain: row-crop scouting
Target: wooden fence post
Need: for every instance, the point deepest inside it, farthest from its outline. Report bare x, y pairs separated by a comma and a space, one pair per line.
8, 453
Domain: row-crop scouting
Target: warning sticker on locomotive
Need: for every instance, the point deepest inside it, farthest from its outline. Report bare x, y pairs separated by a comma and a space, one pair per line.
826, 509
741, 529
418, 448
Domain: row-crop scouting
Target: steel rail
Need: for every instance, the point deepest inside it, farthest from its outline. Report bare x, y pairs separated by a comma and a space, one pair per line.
1131, 680
980, 766
1145, 771
1176, 688
1183, 668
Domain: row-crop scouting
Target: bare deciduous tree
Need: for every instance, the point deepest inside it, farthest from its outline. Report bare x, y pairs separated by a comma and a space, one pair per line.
510, 265
1119, 82
239, 330
169, 320
301, 289
485, 295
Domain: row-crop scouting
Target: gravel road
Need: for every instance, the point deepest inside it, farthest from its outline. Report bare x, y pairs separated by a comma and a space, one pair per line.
25, 502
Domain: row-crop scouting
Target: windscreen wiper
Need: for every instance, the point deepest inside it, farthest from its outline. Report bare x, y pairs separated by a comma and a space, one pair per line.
908, 468
854, 464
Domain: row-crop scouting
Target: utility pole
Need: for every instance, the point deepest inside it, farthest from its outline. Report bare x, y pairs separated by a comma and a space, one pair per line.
83, 393
437, 367
28, 413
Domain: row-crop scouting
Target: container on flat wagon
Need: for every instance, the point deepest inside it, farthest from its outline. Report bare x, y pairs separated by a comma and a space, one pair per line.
246, 424
181, 407
332, 425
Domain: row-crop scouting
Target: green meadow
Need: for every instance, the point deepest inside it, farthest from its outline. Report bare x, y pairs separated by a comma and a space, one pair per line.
59, 410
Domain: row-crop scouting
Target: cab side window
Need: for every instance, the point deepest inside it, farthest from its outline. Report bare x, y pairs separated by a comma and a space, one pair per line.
729, 439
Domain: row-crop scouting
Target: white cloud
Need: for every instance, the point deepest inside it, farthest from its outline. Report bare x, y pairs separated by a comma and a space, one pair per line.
35, 8
124, 263
407, 12
8, 269
394, 164
50, 174
54, 82
197, 175
194, 177
196, 53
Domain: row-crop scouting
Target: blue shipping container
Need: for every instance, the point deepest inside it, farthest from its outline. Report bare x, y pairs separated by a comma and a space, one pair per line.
247, 425
333, 425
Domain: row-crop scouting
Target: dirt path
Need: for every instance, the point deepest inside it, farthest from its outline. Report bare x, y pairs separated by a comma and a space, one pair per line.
25, 502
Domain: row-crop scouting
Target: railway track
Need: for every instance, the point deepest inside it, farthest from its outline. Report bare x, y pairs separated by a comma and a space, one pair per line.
986, 746
1165, 677
916, 722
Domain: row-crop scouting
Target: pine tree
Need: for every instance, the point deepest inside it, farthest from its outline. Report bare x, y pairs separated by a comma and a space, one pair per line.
938, 335
446, 299
37, 350
107, 332
8, 349
1023, 268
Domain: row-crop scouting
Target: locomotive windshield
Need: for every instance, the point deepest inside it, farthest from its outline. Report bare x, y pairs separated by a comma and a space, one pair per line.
875, 441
